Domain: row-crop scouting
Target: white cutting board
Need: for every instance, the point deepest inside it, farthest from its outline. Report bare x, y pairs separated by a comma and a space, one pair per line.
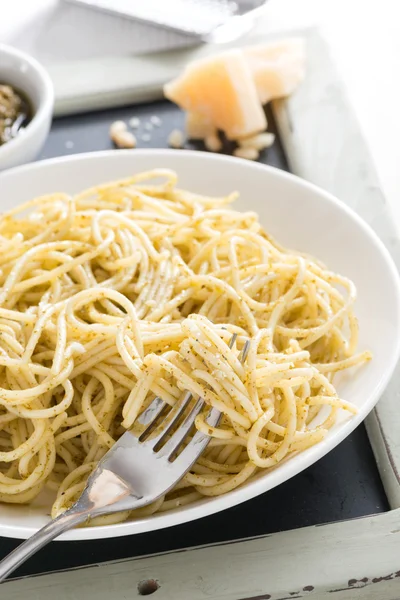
98, 60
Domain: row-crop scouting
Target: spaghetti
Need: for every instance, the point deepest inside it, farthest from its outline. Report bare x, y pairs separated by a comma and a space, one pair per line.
131, 290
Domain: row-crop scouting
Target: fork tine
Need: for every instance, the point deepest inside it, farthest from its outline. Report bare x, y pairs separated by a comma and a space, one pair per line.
178, 438
197, 444
175, 414
213, 417
200, 440
195, 447
151, 413
232, 340
180, 434
244, 352
157, 406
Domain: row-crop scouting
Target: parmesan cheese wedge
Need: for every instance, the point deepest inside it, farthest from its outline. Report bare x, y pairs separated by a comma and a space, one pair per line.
222, 90
198, 126
277, 68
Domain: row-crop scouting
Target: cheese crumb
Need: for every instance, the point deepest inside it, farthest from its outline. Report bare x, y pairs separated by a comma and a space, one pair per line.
155, 120
117, 126
259, 142
176, 139
249, 153
134, 122
121, 137
213, 143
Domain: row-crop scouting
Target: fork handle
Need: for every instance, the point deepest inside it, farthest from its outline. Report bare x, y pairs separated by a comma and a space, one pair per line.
105, 492
46, 534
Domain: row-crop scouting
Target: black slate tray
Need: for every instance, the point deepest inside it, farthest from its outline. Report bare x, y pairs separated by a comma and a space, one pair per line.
343, 485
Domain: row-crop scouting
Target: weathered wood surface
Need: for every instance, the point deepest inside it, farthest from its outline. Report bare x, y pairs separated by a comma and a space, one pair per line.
318, 562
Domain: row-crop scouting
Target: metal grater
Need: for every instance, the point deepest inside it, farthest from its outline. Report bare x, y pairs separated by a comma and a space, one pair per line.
209, 20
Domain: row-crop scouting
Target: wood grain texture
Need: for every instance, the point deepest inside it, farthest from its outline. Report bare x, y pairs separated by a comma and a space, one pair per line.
316, 562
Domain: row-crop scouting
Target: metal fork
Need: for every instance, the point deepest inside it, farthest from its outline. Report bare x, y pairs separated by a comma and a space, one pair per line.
135, 472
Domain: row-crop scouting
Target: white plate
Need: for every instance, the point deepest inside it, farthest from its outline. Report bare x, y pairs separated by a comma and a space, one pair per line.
299, 215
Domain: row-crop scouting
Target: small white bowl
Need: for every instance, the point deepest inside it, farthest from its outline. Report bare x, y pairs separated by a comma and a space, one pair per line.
24, 73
